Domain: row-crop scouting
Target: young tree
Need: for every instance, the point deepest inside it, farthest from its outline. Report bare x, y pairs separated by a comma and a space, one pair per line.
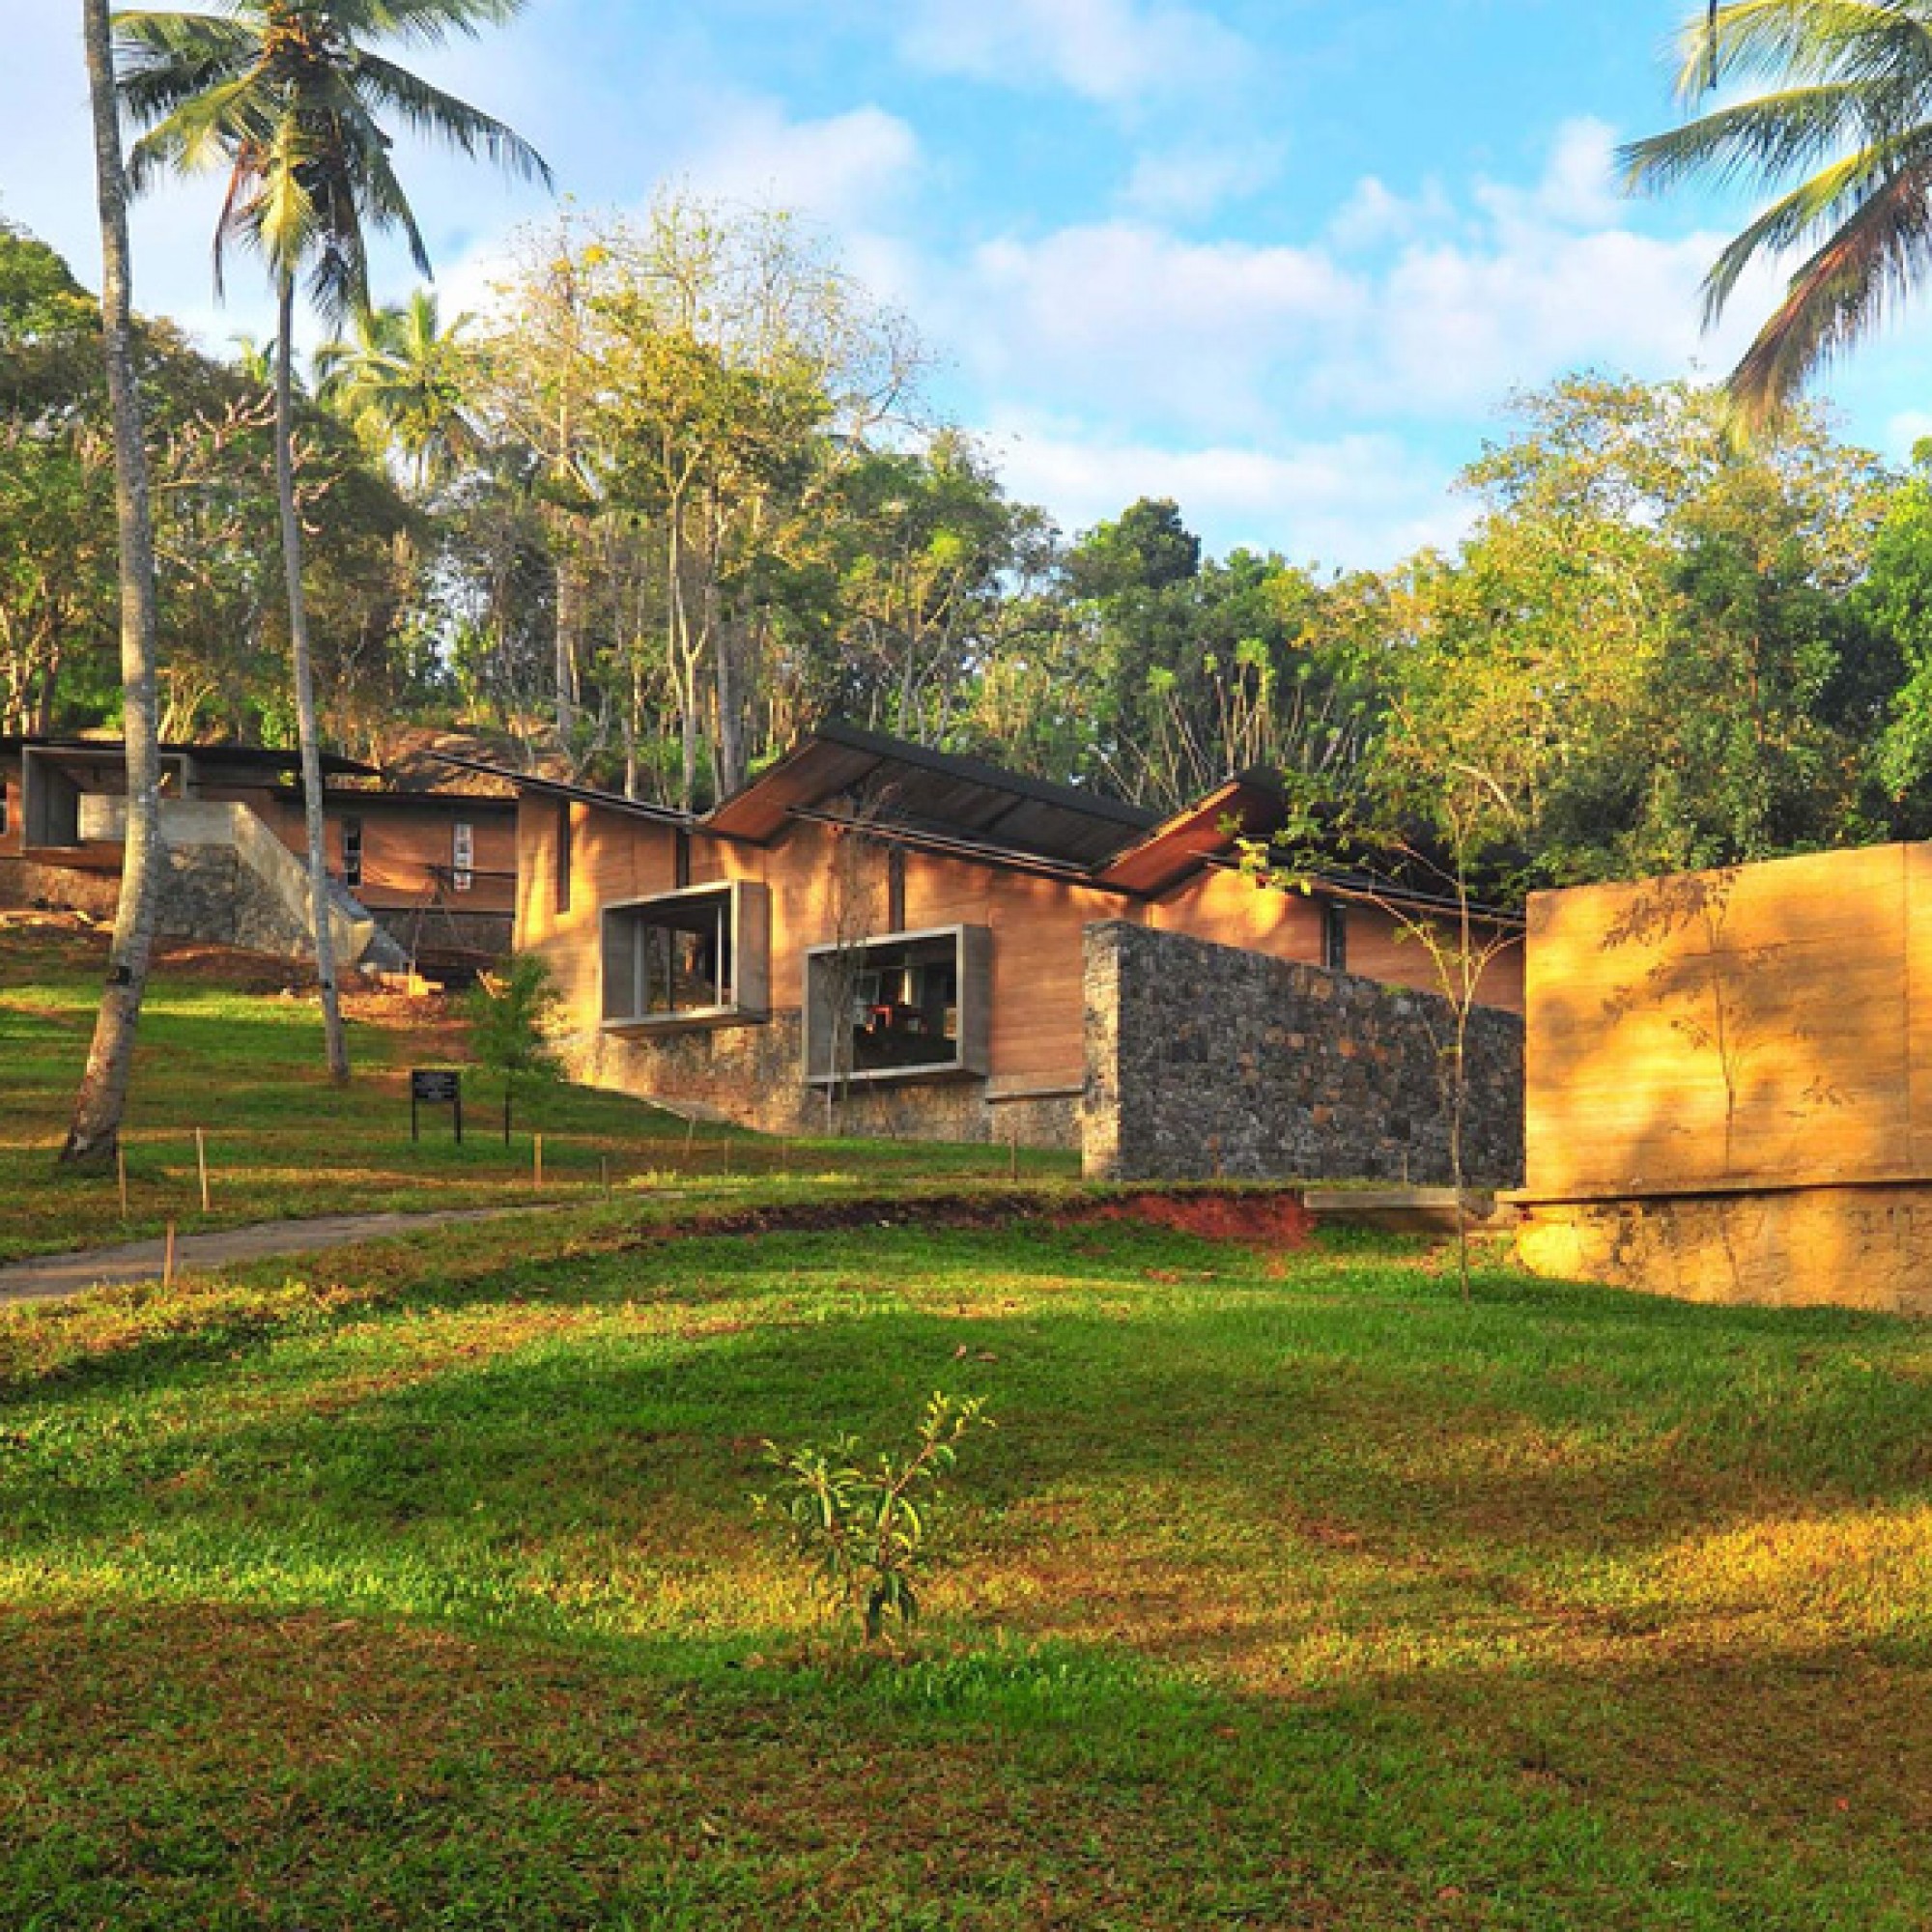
510, 1015
95, 1128
286, 97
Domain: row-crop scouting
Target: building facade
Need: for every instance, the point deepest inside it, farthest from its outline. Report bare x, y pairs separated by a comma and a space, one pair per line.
874, 938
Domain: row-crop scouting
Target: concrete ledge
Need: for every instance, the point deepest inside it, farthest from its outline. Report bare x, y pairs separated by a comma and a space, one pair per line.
1865, 1246
1408, 1210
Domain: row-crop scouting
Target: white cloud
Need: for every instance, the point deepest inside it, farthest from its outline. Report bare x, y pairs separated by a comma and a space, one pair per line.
1115, 51
1186, 183
1428, 308
846, 169
1356, 499
1128, 318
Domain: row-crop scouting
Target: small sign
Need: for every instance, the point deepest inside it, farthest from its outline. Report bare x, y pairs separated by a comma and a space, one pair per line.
434, 1086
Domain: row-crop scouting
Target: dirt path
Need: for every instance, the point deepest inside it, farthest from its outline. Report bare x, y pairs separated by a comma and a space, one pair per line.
49, 1277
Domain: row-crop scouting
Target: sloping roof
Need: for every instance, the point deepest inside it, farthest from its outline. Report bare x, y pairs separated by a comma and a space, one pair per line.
241, 757
605, 800
964, 808
966, 802
1190, 838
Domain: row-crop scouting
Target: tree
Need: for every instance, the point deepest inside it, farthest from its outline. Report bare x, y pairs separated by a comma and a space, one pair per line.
510, 1016
399, 380
95, 1132
286, 97
1843, 138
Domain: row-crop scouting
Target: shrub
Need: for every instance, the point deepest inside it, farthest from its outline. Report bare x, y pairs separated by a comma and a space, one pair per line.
510, 1015
860, 1521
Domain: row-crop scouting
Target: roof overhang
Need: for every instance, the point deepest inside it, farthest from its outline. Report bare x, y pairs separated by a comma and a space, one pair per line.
891, 786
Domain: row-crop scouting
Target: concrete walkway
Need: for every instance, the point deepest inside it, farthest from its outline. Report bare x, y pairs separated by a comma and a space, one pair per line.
50, 1277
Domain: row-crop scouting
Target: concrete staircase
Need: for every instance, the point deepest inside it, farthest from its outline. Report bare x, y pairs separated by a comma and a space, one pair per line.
234, 883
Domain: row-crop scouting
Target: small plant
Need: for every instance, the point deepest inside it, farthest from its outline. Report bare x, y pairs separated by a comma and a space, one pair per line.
510, 1015
861, 1522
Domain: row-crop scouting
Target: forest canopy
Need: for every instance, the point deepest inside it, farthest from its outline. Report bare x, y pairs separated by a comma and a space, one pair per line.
680, 488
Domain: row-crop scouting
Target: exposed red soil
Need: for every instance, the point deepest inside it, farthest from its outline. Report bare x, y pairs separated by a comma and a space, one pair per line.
1275, 1219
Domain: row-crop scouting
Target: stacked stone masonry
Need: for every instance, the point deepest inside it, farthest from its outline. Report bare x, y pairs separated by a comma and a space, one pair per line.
1204, 1059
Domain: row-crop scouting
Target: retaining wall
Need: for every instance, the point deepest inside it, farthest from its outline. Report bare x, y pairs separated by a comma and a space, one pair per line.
1206, 1060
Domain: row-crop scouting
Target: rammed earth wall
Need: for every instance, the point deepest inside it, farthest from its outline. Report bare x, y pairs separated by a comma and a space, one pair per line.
1204, 1059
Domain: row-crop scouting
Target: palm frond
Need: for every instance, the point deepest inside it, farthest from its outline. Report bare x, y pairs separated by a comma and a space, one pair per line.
1801, 41
1808, 215
1874, 259
1770, 137
424, 22
429, 112
165, 59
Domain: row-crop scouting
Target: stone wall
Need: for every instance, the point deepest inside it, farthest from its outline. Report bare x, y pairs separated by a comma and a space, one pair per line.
1206, 1060
754, 1076
208, 895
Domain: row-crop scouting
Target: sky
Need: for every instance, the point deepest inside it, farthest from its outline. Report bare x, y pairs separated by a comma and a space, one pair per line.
1285, 261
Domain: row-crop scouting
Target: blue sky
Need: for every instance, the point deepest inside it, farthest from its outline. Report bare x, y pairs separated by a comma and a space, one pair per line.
1282, 259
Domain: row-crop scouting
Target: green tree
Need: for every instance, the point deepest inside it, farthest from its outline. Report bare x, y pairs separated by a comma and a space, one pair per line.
287, 98
95, 1131
510, 1018
1843, 136
400, 379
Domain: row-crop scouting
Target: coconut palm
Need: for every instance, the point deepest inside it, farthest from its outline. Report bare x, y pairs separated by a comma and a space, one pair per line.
398, 378
102, 1098
288, 99
1842, 133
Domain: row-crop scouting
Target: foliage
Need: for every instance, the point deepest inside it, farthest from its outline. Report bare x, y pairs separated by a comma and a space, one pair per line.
511, 1015
860, 1521
1840, 137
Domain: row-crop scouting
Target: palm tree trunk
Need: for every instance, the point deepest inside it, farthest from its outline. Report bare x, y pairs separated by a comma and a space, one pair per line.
304, 676
98, 1106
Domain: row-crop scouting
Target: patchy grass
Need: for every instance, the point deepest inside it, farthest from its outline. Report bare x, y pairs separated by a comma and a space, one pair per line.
227, 1048
419, 1589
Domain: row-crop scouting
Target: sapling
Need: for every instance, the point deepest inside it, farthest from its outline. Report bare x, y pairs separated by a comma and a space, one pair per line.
860, 1521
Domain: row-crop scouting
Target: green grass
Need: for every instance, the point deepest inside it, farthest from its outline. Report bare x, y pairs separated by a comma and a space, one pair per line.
418, 1588
221, 1050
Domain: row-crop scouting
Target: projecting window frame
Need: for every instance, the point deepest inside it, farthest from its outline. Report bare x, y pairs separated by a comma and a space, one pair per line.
639, 978
846, 976
352, 853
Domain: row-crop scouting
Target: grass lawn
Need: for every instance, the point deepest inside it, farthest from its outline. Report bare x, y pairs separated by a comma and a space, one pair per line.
221, 1050
419, 1590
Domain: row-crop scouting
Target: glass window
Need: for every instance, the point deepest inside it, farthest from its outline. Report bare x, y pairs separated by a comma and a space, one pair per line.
907, 1005
352, 853
696, 954
462, 855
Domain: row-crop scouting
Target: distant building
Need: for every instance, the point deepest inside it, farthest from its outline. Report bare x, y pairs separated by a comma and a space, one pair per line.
899, 941
426, 874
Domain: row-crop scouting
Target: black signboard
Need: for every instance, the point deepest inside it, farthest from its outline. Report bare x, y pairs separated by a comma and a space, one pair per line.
434, 1086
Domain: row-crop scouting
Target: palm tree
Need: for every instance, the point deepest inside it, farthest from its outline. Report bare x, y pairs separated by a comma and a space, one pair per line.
287, 99
1843, 134
399, 381
96, 1129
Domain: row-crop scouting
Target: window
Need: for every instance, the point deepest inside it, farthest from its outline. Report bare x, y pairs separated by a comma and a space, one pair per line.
1334, 936
910, 1005
697, 957
462, 855
352, 853
563, 854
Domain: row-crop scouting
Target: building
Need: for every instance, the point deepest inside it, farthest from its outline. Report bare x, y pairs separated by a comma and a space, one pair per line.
1730, 1082
419, 873
882, 939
